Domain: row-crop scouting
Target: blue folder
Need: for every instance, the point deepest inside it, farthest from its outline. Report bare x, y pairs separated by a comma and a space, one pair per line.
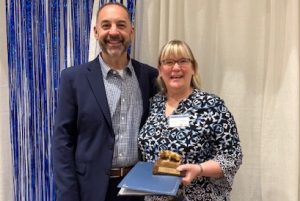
141, 181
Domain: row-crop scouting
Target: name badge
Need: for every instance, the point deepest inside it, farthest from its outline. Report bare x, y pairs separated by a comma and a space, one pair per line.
179, 121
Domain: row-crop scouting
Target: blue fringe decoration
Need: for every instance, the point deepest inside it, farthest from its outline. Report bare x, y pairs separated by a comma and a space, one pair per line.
37, 46
43, 37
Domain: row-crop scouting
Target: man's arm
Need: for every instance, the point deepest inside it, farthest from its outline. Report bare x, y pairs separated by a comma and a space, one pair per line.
64, 142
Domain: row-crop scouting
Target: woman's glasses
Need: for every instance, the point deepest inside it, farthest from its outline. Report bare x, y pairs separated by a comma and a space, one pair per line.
172, 62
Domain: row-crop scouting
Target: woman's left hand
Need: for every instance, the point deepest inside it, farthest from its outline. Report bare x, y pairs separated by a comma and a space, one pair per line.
191, 172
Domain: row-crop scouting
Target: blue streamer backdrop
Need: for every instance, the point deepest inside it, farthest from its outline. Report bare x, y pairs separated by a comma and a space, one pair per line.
38, 32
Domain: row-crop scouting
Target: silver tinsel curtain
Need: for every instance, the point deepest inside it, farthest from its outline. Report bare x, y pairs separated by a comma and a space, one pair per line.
43, 37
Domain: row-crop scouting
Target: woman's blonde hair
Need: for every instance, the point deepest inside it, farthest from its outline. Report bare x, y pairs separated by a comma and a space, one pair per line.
177, 48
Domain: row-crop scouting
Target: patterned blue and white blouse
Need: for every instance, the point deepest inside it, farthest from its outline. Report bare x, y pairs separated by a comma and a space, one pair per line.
211, 135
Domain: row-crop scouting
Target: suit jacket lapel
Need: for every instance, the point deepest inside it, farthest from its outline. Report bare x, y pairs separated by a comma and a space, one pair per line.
94, 75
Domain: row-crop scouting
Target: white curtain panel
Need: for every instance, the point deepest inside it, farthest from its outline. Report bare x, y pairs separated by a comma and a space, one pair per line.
94, 47
248, 51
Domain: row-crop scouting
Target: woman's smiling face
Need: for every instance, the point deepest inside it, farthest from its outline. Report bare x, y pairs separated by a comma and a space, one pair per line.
176, 72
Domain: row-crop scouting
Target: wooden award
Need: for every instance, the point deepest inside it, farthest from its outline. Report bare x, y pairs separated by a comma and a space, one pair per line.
167, 163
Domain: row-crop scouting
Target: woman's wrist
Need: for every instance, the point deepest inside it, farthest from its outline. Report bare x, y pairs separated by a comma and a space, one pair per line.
200, 169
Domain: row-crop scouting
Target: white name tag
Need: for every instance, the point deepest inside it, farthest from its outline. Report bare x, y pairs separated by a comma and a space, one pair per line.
179, 121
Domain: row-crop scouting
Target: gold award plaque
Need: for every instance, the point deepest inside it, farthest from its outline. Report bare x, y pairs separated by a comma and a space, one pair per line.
167, 163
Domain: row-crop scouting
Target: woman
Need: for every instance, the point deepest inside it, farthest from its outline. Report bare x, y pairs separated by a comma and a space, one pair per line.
193, 123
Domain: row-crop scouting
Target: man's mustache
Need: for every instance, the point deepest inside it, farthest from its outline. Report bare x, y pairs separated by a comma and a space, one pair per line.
114, 38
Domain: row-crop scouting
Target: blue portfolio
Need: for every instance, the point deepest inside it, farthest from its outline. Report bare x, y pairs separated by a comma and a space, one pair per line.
141, 181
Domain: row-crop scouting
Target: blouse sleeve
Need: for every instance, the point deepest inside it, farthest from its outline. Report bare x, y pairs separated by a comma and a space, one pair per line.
227, 146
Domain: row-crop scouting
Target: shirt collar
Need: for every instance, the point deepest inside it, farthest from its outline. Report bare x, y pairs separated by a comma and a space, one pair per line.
106, 68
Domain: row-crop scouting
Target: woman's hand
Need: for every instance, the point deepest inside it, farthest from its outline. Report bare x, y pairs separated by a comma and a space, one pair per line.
191, 172
208, 168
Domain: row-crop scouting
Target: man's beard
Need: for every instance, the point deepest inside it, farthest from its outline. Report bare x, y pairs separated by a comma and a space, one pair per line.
114, 51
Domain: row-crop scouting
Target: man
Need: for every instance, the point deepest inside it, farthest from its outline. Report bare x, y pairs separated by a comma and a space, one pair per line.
101, 106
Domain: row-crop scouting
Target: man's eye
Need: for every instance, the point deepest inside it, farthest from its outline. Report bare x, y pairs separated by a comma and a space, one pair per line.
105, 26
121, 26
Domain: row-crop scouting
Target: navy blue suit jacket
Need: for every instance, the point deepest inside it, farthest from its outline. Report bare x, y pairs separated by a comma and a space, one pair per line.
83, 139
